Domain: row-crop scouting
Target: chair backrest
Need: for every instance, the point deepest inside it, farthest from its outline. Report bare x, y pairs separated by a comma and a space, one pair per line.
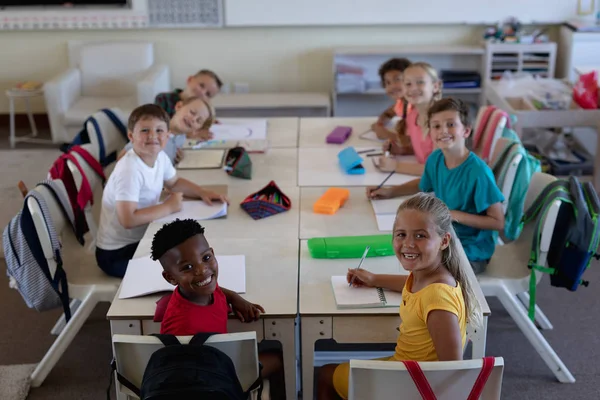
380, 380
112, 138
506, 182
132, 353
538, 182
110, 68
91, 176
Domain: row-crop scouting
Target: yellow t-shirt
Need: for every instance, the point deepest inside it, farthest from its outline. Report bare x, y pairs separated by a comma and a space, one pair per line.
414, 341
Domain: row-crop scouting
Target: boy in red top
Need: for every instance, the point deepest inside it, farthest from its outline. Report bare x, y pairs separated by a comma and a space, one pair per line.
198, 304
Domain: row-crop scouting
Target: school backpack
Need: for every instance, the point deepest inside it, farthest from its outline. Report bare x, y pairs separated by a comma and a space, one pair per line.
27, 267
528, 165
94, 126
78, 198
575, 236
189, 372
489, 124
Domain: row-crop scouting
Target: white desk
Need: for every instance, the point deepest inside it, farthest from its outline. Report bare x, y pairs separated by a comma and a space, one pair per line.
273, 104
313, 131
321, 319
342, 223
283, 132
320, 167
265, 258
279, 165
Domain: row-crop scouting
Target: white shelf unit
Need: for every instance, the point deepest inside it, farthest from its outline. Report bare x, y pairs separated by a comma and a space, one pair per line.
538, 59
365, 96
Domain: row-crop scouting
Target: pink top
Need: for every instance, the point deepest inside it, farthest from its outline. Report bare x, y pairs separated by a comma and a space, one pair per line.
422, 146
399, 108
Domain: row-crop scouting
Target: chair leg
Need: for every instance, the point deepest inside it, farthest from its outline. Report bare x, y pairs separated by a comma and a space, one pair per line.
60, 324
537, 340
64, 339
540, 317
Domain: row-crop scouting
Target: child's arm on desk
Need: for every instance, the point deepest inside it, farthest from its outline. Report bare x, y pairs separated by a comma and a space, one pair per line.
190, 189
493, 219
406, 189
369, 279
244, 310
130, 216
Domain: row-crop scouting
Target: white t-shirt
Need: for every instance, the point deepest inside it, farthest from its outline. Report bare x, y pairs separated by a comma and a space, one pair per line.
131, 180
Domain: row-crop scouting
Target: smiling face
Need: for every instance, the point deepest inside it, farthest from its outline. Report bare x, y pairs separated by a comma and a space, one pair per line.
193, 267
419, 86
149, 136
447, 130
417, 243
203, 86
393, 85
189, 117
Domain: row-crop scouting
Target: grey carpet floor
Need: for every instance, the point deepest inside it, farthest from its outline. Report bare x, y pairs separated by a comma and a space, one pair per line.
83, 372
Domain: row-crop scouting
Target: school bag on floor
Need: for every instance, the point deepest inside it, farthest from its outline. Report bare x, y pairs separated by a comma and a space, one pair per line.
575, 236
27, 267
528, 166
97, 125
189, 372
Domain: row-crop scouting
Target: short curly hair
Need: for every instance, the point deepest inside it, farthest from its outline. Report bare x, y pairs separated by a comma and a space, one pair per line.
173, 234
393, 64
147, 111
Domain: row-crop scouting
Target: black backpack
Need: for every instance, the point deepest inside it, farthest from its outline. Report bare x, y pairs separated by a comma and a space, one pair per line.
189, 372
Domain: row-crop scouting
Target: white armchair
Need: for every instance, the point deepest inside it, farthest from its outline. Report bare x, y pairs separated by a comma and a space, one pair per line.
102, 75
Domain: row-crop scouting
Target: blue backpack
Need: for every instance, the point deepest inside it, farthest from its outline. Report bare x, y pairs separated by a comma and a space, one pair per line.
83, 136
528, 166
575, 237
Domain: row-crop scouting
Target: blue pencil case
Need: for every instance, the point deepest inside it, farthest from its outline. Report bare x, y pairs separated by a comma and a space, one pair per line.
351, 161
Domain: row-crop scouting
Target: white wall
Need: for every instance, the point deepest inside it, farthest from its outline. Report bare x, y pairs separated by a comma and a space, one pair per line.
269, 59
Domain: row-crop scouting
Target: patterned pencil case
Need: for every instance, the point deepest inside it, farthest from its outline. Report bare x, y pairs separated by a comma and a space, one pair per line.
268, 201
238, 163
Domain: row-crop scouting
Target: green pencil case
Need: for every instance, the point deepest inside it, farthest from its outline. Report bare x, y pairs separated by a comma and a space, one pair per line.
350, 246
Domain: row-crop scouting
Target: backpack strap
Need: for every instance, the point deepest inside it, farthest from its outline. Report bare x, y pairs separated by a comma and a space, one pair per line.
101, 148
481, 125
167, 340
418, 377
91, 161
116, 122
63, 201
200, 338
482, 378
257, 385
498, 163
490, 132
121, 379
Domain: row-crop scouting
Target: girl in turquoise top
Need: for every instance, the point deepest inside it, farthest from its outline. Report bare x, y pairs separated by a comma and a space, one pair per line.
459, 178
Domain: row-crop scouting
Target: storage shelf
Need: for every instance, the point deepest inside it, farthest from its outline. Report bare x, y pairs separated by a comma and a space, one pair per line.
409, 50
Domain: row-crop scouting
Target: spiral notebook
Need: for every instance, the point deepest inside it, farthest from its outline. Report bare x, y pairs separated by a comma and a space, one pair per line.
362, 297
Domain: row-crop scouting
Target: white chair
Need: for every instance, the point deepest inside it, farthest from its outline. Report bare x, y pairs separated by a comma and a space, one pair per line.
132, 353
511, 164
102, 75
112, 139
449, 380
87, 282
497, 133
507, 276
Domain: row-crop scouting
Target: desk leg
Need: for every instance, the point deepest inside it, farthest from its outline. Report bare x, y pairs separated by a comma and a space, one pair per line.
283, 330
124, 327
478, 338
34, 132
312, 329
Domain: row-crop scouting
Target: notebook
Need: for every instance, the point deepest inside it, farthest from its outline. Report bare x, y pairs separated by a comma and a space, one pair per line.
362, 297
370, 135
240, 129
198, 210
144, 276
202, 159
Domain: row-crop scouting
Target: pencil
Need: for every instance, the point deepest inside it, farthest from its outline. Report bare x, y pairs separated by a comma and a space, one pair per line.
385, 180
359, 264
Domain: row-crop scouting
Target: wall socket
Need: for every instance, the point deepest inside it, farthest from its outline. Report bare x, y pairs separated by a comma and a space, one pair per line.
241, 87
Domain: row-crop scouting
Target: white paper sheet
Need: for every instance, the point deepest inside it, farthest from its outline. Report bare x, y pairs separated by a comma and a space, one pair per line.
351, 297
387, 206
198, 210
385, 222
144, 276
240, 129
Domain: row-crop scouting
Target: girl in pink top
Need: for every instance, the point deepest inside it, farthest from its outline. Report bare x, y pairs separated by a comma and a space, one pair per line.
422, 87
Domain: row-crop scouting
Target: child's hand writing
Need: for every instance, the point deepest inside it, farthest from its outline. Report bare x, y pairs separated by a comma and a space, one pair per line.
386, 164
395, 148
174, 201
381, 193
246, 311
362, 277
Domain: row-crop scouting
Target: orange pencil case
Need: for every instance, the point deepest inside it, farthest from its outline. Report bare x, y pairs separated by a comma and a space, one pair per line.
331, 201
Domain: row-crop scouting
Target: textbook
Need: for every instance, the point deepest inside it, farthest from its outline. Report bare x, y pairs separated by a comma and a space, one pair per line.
362, 297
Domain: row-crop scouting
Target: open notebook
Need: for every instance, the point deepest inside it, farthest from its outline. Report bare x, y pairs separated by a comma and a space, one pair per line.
198, 210
352, 297
240, 129
385, 212
202, 159
144, 276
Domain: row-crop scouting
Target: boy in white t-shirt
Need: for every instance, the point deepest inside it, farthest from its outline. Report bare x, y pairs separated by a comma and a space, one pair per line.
131, 197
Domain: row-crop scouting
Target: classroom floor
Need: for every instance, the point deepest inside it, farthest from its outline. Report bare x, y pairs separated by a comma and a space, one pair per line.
83, 371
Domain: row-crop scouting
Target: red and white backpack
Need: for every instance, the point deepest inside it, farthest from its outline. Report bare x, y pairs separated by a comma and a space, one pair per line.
488, 127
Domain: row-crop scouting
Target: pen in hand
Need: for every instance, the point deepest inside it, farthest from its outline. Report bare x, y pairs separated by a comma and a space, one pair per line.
359, 264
